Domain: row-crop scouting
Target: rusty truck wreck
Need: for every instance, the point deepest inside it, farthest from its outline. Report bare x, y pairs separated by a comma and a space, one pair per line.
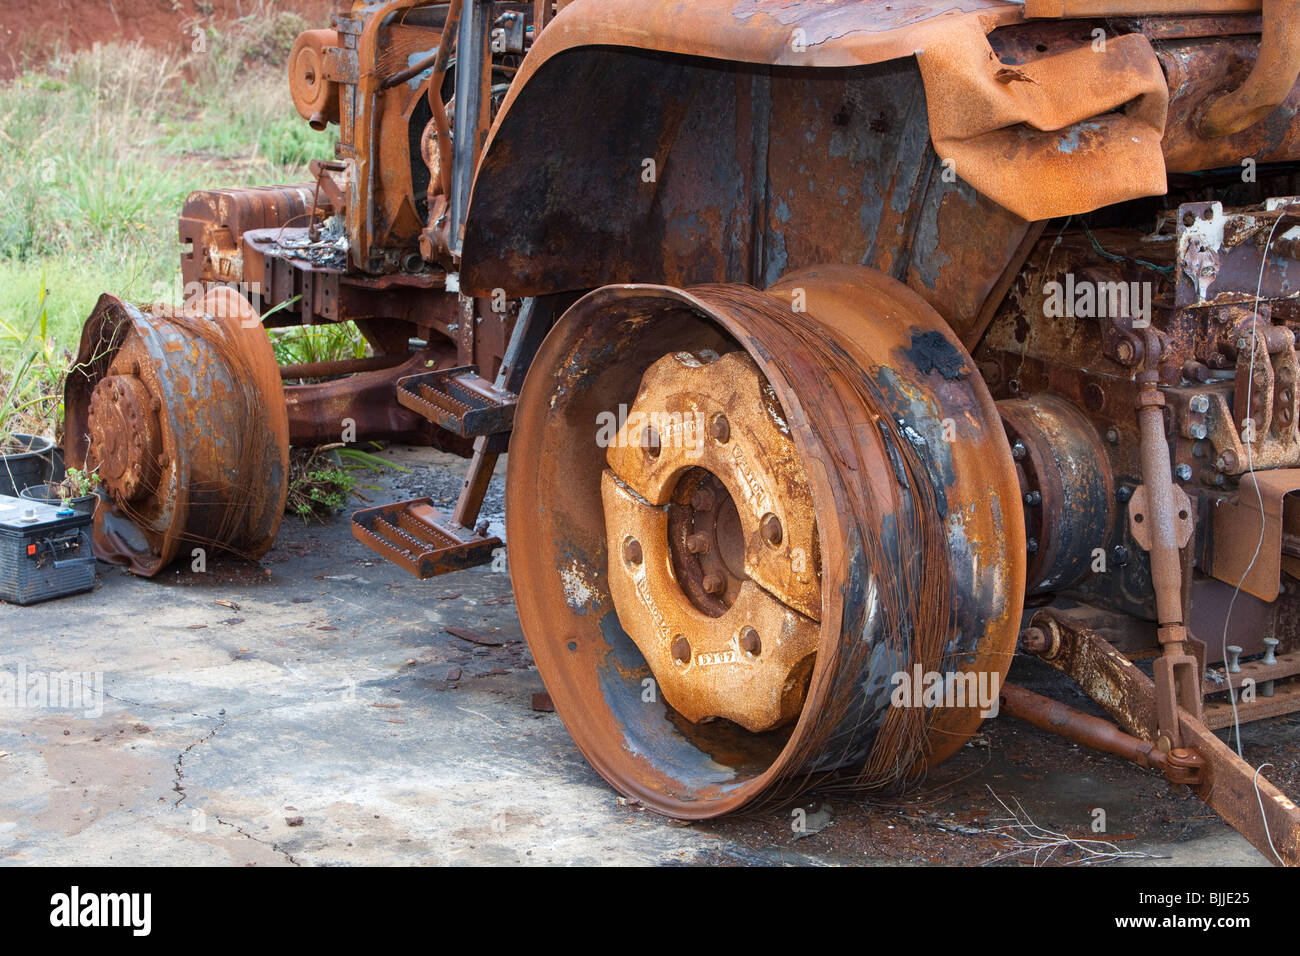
830, 342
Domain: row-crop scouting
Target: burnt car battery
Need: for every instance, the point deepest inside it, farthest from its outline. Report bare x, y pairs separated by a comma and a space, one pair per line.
45, 551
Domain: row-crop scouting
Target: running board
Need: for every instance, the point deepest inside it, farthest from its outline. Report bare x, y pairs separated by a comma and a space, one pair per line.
416, 537
459, 400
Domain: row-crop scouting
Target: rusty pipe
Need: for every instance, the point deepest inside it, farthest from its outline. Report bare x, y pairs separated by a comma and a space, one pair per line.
1269, 83
1075, 725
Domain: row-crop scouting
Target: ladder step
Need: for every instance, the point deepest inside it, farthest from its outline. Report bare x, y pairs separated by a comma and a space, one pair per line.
416, 537
459, 400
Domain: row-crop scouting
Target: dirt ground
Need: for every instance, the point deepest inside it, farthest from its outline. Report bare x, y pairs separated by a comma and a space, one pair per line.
314, 710
30, 29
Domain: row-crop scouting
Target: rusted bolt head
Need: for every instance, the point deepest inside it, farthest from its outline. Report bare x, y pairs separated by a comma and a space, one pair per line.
713, 583
1112, 436
750, 642
632, 553
1124, 351
702, 499
1199, 404
720, 428
1183, 472
1034, 498
771, 529
1033, 640
1199, 431
1123, 493
681, 650
697, 543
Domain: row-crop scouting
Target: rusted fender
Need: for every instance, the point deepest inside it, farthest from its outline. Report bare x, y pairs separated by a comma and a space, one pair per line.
1035, 139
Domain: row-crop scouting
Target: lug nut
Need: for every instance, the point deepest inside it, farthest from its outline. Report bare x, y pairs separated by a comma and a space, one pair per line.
681, 650
713, 583
771, 529
720, 428
697, 543
750, 642
632, 551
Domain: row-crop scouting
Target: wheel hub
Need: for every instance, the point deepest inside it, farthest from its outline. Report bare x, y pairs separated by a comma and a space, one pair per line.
710, 517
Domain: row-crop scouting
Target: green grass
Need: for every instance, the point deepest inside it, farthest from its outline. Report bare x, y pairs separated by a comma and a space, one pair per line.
98, 151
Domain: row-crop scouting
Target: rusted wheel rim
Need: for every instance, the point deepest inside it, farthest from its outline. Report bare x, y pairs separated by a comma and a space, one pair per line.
838, 346
182, 414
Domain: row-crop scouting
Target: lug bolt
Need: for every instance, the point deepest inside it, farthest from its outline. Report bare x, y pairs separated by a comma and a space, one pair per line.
771, 529
1183, 472
681, 650
632, 551
750, 642
697, 543
720, 428
713, 583
1234, 659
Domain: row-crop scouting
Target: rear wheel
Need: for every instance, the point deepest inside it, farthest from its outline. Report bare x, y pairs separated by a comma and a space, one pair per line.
736, 516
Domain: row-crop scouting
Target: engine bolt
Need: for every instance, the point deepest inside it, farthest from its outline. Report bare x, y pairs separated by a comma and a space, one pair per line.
632, 551
750, 642
681, 650
720, 428
697, 543
713, 583
771, 529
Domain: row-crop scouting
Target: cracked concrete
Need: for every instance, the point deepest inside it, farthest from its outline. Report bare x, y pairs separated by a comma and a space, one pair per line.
330, 692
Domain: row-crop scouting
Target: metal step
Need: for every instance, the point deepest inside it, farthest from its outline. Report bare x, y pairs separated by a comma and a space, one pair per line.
459, 400
415, 536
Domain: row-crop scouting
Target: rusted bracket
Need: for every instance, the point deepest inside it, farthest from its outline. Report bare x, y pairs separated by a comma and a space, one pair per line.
1213, 770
